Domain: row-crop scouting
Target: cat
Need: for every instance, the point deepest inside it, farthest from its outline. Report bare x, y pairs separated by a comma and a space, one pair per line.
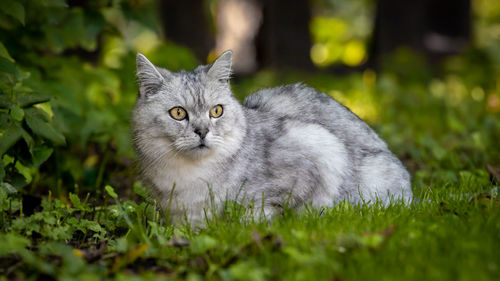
197, 145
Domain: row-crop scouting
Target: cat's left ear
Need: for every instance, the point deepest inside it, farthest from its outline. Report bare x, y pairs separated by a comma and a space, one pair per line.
221, 67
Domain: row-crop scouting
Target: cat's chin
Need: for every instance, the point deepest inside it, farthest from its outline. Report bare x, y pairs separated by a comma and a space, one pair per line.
199, 152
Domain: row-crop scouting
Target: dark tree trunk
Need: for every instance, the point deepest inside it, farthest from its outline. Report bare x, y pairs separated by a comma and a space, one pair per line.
184, 22
283, 40
435, 28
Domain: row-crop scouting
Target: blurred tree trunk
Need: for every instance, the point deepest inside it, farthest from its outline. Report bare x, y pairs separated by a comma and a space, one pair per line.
283, 40
436, 28
184, 22
238, 22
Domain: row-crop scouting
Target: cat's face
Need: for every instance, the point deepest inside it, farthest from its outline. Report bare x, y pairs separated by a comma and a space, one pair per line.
186, 114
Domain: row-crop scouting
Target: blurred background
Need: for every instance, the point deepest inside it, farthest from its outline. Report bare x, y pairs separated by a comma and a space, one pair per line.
425, 74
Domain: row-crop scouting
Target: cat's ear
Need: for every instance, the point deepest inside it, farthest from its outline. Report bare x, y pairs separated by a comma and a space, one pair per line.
150, 79
221, 67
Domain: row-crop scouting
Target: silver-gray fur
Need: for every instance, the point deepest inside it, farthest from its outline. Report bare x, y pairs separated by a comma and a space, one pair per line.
286, 145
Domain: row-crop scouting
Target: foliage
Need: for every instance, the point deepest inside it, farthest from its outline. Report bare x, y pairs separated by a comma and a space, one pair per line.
341, 31
68, 70
27, 136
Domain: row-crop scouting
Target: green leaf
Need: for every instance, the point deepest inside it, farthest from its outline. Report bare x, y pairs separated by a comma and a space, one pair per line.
141, 190
14, 9
44, 129
111, 192
25, 171
40, 155
11, 243
7, 66
75, 200
17, 113
29, 99
9, 137
4, 53
202, 243
38, 113
28, 139
8, 188
5, 100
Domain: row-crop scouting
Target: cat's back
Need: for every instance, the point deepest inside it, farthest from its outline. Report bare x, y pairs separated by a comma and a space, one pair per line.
301, 103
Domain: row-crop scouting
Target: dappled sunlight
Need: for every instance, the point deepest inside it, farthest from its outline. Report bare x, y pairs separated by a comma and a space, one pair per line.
340, 34
354, 53
362, 99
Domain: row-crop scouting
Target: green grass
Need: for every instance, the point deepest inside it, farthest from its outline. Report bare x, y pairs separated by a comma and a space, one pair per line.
453, 233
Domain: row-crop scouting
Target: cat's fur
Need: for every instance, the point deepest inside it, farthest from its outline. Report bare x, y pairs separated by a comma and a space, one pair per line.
289, 143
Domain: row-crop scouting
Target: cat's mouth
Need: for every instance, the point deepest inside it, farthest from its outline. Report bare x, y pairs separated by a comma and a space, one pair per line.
202, 145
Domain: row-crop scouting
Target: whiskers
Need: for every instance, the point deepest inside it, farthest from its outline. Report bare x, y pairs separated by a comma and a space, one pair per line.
155, 157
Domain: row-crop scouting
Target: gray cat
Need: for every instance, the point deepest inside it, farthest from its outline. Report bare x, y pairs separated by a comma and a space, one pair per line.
197, 145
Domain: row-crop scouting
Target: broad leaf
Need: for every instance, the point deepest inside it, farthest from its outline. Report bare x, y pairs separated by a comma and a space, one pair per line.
28, 99
9, 137
4, 53
5, 100
17, 113
7, 66
44, 129
40, 155
14, 9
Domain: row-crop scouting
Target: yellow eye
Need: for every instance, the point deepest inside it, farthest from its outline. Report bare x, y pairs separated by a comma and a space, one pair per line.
178, 113
216, 111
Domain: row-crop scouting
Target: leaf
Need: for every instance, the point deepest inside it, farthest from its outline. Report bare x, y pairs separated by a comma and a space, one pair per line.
8, 188
29, 141
44, 129
140, 190
111, 192
75, 200
77, 204
9, 137
11, 243
202, 243
14, 9
40, 155
5, 100
29, 99
25, 171
4, 53
17, 113
7, 66
38, 113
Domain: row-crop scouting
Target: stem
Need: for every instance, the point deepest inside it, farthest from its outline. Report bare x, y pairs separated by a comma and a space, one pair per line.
100, 174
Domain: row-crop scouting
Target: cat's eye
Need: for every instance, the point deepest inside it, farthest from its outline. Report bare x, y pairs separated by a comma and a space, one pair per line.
178, 113
216, 111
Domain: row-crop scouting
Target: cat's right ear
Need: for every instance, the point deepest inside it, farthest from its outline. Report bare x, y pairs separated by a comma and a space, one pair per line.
150, 79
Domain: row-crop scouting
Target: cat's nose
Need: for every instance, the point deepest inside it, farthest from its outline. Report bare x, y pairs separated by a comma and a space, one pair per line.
202, 132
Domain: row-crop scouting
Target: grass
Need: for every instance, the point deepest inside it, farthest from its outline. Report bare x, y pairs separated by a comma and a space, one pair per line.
443, 133
446, 236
